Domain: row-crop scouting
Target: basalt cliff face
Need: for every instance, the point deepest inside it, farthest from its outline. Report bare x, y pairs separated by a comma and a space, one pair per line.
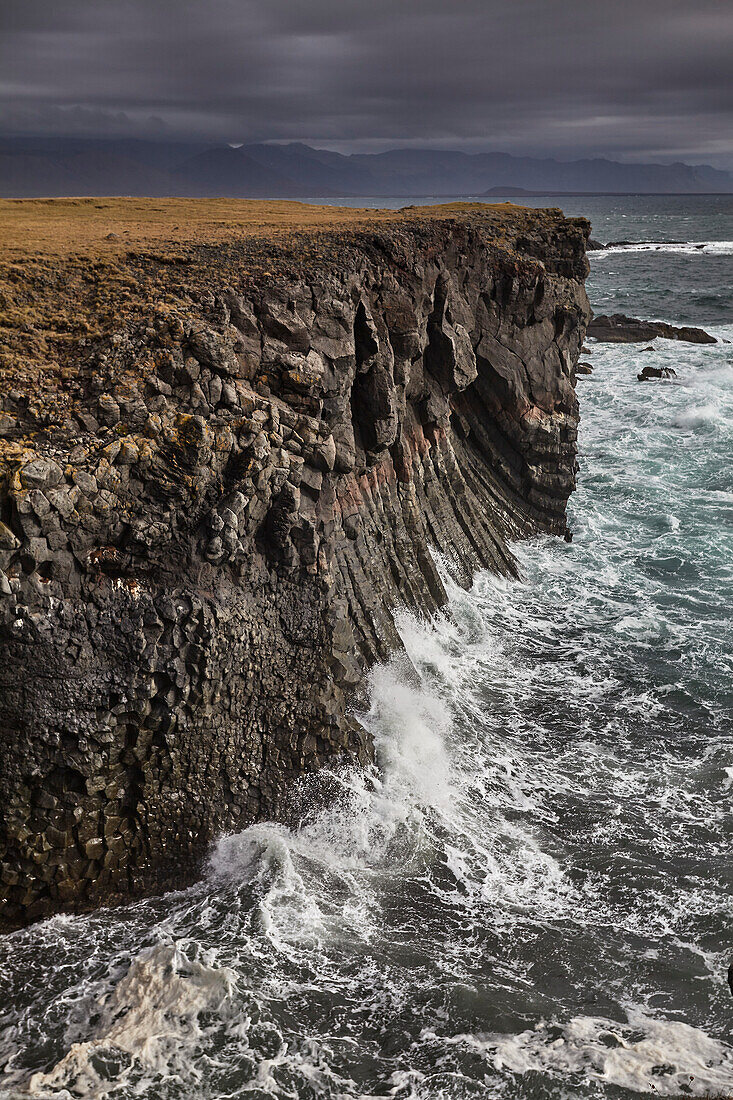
211, 506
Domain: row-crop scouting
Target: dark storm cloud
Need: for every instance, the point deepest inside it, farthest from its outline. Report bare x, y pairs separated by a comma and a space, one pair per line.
633, 78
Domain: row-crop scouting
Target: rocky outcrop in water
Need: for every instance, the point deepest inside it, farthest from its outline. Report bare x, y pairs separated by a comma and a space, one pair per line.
210, 512
648, 374
619, 329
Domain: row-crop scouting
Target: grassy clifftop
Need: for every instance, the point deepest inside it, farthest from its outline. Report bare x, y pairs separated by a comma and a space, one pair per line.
76, 274
108, 227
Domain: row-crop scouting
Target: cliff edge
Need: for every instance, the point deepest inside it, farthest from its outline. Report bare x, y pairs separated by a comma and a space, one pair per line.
230, 435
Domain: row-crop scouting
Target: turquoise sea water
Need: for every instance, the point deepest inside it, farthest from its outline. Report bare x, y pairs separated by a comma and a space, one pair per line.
531, 896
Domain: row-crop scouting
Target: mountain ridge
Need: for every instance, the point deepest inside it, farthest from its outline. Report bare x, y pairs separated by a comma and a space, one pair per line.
48, 167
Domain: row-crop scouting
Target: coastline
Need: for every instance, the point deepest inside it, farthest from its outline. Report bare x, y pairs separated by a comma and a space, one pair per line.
226, 454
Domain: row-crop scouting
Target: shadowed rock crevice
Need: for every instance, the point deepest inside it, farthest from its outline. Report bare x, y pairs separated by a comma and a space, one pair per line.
373, 396
201, 547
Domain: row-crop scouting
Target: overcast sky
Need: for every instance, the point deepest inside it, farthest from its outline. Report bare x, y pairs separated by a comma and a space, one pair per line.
629, 79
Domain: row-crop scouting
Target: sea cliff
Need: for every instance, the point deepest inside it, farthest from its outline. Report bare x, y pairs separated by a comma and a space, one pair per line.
230, 437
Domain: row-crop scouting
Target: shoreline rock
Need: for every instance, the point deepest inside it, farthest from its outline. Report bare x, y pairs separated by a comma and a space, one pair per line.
619, 329
648, 374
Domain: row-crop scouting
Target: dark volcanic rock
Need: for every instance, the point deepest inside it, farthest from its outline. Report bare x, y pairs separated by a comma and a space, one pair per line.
584, 368
648, 373
595, 246
190, 594
618, 329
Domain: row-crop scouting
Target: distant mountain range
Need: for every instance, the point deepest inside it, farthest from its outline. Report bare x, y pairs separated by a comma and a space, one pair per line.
57, 166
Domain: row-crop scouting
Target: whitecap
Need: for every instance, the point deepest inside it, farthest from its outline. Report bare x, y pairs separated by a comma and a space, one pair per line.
714, 248
700, 416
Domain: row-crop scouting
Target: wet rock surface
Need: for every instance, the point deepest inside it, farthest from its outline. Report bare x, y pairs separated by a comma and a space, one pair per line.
207, 519
648, 374
619, 329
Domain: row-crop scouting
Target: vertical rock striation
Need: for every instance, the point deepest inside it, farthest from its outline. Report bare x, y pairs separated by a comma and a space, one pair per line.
202, 542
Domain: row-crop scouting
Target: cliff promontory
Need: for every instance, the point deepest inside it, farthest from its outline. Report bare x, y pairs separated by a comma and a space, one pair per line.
230, 436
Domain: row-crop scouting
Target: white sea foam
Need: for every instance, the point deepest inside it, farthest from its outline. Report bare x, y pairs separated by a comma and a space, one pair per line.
699, 416
146, 1023
646, 1055
409, 724
708, 248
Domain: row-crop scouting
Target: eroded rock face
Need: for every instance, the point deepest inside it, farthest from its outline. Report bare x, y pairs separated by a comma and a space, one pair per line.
194, 581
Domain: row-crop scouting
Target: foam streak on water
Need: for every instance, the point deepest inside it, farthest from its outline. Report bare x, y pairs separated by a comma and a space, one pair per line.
684, 248
529, 896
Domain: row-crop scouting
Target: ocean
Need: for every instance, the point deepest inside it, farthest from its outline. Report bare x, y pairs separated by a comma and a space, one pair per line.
530, 896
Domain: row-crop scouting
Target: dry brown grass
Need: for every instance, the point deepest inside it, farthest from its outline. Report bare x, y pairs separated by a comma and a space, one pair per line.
62, 227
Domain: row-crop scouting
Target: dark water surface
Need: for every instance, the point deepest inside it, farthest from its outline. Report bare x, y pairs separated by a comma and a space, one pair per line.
531, 897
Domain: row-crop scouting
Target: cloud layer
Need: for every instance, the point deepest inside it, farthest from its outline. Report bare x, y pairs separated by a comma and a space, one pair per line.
636, 79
